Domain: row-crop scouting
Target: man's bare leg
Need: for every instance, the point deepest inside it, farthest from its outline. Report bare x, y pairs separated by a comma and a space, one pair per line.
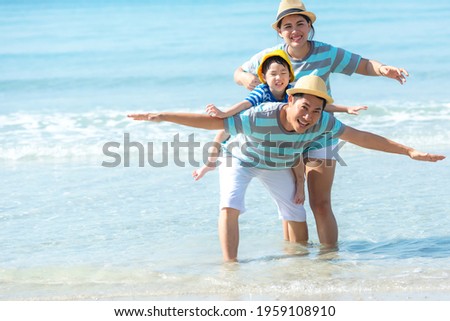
229, 233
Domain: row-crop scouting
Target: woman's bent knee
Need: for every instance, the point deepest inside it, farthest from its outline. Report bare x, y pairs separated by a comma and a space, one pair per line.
320, 206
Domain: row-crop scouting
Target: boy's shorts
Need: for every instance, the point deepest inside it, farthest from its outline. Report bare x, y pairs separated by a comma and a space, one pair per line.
234, 180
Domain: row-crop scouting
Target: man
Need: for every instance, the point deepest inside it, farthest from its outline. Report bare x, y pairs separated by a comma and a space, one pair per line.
273, 138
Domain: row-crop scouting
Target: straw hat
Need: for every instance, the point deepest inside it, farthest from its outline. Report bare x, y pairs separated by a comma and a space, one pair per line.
290, 7
279, 53
312, 85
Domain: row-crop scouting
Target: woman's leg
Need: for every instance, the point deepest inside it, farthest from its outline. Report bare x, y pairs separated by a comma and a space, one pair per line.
319, 176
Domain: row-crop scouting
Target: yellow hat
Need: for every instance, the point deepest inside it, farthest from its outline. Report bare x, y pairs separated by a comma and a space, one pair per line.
279, 53
290, 7
312, 85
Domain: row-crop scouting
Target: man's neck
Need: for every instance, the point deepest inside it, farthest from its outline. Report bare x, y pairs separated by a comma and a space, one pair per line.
283, 119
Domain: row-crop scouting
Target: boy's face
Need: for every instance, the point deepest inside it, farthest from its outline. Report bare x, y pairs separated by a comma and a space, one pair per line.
277, 77
304, 112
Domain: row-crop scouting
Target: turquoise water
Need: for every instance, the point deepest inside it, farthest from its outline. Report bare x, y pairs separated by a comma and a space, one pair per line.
74, 229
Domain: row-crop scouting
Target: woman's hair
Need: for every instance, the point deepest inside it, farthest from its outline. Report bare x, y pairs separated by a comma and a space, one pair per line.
266, 64
311, 33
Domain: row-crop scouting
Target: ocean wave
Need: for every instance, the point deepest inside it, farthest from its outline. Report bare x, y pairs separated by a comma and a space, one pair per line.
46, 135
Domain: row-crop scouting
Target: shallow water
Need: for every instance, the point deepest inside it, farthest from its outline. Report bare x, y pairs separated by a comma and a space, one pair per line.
74, 229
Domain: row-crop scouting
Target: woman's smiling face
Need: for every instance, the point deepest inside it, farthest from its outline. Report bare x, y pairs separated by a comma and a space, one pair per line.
294, 29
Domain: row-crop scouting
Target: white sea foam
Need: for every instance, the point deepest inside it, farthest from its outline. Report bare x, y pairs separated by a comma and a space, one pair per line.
32, 136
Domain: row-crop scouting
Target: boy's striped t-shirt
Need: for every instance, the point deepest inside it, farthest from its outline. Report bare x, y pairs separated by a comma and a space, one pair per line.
261, 141
262, 94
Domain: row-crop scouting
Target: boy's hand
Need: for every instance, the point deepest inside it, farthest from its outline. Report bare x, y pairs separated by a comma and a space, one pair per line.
354, 110
213, 111
149, 117
420, 156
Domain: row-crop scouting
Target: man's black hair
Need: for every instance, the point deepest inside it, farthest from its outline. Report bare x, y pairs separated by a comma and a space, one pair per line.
324, 102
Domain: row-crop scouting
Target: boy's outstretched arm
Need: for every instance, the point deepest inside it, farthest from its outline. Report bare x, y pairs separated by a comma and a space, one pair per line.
380, 143
186, 119
213, 111
352, 110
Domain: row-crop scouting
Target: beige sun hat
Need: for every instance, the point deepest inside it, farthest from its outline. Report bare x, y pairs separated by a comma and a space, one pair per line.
312, 85
290, 7
284, 56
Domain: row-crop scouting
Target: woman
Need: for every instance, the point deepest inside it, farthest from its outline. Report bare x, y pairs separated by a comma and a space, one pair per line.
295, 25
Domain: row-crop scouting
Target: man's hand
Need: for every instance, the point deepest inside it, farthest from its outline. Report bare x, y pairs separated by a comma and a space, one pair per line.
420, 156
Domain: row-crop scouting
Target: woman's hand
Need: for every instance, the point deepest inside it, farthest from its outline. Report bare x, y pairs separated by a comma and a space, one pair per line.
392, 72
246, 79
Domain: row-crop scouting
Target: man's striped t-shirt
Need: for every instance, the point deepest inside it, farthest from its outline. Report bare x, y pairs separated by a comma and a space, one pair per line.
261, 141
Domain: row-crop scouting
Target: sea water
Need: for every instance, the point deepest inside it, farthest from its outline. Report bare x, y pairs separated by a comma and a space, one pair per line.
84, 216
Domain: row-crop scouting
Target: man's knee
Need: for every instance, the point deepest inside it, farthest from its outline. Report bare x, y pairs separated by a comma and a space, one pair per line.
230, 213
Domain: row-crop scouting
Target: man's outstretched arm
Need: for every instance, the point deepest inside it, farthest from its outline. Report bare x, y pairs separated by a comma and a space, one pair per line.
380, 143
186, 119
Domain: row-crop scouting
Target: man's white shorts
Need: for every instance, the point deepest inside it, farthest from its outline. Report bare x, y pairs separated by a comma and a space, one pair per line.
234, 180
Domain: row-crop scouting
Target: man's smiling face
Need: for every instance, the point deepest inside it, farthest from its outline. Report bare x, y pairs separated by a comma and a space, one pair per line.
303, 112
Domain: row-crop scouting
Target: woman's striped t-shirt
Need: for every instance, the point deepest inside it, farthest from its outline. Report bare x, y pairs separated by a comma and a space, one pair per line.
322, 60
